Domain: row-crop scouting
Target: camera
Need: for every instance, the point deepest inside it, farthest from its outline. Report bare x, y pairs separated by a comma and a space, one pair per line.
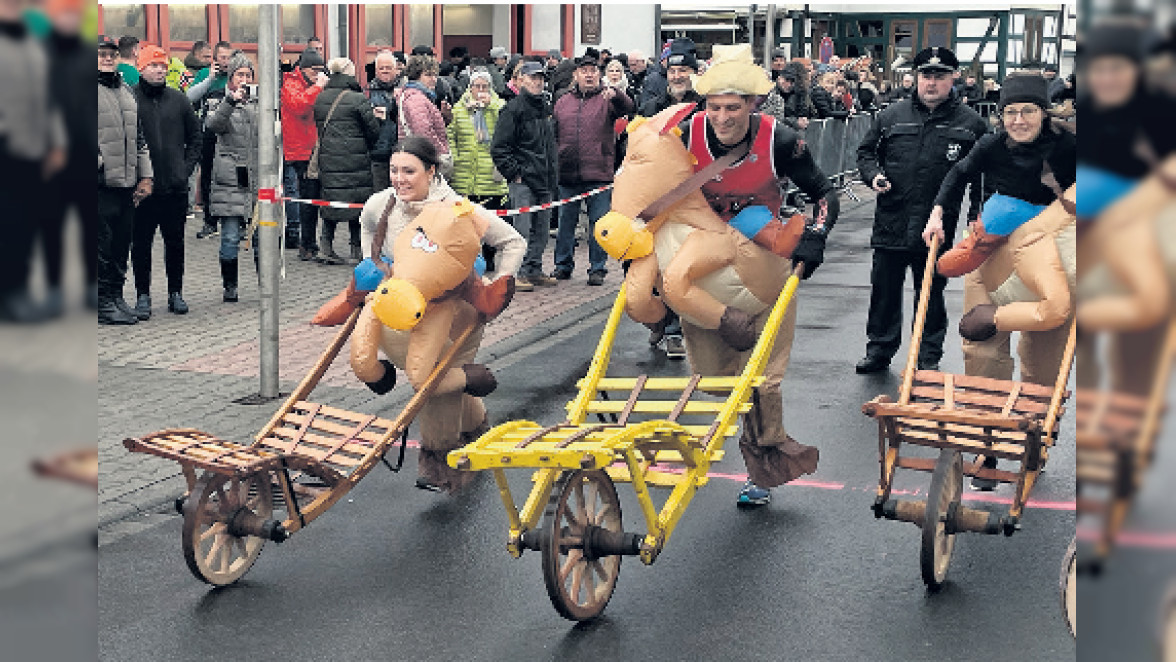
251, 91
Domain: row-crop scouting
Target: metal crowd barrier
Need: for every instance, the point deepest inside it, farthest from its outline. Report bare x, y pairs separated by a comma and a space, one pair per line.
833, 144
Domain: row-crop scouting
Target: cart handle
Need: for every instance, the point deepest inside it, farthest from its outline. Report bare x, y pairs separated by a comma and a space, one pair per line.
908, 375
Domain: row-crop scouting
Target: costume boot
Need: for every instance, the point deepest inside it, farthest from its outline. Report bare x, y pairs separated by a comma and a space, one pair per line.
970, 253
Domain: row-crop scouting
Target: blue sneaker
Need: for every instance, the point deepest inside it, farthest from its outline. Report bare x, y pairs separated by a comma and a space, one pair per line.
754, 495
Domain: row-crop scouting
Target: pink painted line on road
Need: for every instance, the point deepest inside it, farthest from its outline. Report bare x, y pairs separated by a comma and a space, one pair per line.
1032, 503
1137, 539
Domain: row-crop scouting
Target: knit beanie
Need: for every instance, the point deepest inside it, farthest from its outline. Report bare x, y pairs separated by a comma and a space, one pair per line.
1025, 88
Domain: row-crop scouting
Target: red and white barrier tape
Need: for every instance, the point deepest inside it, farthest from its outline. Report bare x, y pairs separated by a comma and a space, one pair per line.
271, 195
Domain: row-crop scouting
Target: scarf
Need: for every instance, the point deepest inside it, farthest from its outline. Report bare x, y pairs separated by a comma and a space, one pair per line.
417, 86
110, 79
478, 118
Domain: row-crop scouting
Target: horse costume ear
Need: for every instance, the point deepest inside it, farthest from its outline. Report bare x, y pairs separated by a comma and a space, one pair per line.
681, 112
463, 207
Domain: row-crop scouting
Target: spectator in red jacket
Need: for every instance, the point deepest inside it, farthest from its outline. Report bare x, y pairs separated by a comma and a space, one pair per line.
584, 118
299, 90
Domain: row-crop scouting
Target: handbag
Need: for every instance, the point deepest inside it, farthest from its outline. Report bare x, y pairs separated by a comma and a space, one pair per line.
312, 166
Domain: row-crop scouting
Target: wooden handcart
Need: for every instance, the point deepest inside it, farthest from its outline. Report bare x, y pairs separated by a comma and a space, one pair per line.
1116, 440
76, 466
960, 415
582, 538
309, 454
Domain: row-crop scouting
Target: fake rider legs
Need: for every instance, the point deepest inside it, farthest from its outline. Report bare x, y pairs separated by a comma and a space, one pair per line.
772, 457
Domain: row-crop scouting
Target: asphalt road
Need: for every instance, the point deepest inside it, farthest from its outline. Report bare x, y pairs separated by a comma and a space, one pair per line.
393, 572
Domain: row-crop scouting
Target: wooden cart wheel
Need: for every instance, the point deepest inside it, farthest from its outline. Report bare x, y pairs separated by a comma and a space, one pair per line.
1167, 629
579, 585
1069, 586
947, 484
213, 553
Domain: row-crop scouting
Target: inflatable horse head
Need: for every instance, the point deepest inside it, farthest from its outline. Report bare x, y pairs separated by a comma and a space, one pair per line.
656, 161
432, 257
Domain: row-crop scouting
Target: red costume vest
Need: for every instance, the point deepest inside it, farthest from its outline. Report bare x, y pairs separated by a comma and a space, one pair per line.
750, 182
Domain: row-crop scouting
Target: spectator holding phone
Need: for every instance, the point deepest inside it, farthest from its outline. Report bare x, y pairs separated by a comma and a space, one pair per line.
234, 166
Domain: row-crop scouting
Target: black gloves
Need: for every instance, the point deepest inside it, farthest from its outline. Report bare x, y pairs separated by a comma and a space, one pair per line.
385, 383
811, 251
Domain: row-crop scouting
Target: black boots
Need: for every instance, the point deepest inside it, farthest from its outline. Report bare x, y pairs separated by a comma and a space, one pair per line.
110, 312
143, 307
229, 279
327, 253
176, 303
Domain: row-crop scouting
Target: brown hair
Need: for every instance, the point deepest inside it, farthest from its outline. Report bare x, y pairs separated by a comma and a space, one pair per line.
418, 65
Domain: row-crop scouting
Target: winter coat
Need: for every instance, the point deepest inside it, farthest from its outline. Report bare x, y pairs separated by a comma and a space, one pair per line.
788, 106
662, 101
825, 105
915, 147
69, 78
234, 163
32, 124
298, 130
173, 135
123, 157
1013, 169
584, 133
497, 82
524, 143
382, 95
655, 83
345, 144
473, 166
422, 117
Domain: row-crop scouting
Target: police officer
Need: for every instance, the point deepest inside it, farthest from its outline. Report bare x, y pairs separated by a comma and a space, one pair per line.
909, 149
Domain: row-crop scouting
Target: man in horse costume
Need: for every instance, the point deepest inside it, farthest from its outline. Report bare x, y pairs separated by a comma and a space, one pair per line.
746, 193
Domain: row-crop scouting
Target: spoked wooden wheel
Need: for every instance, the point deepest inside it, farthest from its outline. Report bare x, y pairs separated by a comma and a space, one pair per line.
214, 554
579, 582
947, 484
1068, 582
1167, 630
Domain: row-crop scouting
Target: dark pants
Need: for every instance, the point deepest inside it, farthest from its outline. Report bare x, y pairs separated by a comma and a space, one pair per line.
305, 216
207, 153
380, 175
490, 202
69, 189
168, 212
22, 182
884, 325
569, 217
116, 223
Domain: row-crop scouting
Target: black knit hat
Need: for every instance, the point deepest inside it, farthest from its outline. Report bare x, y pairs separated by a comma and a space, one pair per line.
310, 58
682, 58
1124, 37
591, 56
1025, 88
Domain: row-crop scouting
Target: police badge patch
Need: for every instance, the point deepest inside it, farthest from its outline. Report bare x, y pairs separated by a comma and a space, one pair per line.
953, 152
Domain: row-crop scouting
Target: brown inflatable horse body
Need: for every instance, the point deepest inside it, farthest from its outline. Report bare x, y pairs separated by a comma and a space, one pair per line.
414, 316
706, 271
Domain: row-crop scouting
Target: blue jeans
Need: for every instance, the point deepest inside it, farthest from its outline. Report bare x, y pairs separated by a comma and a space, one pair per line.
535, 227
569, 216
231, 227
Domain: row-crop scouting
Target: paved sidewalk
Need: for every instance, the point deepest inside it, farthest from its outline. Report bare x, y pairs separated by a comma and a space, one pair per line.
186, 371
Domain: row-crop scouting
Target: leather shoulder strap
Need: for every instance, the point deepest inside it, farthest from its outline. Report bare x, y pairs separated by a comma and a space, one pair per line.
695, 182
382, 228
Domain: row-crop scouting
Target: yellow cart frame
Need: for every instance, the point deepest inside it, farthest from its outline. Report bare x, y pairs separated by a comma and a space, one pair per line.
577, 462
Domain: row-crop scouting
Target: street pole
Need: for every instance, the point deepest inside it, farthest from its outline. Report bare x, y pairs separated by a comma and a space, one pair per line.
769, 36
269, 226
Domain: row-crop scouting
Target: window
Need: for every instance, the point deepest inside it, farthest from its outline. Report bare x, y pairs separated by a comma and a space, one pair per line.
546, 27
187, 22
1034, 27
379, 28
903, 37
125, 20
420, 26
297, 23
869, 29
243, 24
937, 32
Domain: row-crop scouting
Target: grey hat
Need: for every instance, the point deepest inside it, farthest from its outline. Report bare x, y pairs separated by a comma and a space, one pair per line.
554, 53
530, 68
497, 52
239, 61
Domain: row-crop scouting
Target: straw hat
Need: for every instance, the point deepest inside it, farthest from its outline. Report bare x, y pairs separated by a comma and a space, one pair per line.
732, 71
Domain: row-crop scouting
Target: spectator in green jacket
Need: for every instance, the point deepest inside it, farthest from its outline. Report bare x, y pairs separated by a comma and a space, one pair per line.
470, 132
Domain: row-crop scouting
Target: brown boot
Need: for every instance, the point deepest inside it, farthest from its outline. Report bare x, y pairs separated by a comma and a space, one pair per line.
970, 253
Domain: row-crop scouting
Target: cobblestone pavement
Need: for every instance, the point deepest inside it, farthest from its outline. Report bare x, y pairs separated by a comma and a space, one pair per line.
187, 371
